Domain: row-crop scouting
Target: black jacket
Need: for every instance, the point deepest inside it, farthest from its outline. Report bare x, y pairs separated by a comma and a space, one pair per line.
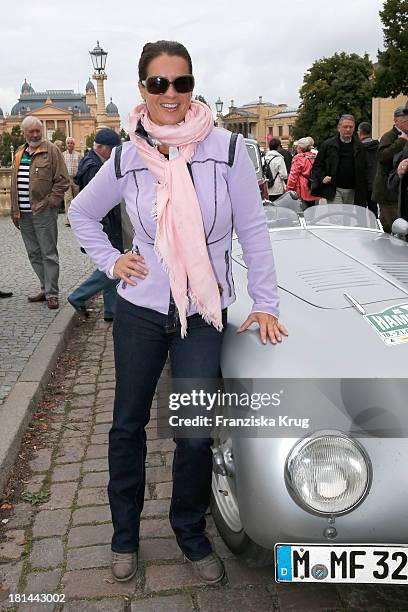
287, 158
112, 222
371, 148
326, 164
390, 145
399, 186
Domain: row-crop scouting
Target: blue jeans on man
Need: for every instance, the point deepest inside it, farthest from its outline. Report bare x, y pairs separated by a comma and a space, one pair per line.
142, 340
98, 281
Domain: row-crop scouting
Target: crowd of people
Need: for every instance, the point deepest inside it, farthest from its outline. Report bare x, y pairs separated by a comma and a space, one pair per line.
349, 168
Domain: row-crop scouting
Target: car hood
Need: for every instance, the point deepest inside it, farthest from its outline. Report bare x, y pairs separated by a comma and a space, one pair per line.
320, 265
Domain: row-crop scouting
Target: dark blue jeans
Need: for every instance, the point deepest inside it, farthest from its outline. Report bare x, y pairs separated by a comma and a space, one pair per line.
142, 339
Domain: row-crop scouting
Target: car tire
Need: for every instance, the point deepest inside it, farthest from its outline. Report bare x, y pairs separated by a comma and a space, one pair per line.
225, 510
240, 543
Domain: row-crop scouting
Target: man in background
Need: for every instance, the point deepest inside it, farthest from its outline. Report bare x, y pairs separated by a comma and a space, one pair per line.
398, 182
391, 143
71, 159
371, 146
287, 156
340, 169
39, 179
93, 161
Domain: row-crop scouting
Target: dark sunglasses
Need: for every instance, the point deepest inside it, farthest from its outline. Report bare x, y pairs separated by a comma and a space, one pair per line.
159, 84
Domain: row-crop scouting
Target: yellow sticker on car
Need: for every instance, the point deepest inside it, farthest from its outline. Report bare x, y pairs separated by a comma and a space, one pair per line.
391, 324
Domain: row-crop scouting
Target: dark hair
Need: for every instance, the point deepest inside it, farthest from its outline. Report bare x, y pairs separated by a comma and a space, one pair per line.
162, 47
365, 128
274, 144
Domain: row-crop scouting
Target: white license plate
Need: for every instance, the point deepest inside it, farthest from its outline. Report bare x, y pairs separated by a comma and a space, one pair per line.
381, 564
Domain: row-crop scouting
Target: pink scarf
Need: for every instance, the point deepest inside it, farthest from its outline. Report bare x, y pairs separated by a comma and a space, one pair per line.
180, 238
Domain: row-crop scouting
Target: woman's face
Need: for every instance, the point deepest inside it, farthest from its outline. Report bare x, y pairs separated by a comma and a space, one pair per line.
171, 107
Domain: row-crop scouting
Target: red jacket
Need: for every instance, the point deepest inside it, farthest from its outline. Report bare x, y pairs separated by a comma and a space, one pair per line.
302, 165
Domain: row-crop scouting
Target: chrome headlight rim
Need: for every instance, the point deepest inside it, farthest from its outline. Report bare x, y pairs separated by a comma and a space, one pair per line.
299, 446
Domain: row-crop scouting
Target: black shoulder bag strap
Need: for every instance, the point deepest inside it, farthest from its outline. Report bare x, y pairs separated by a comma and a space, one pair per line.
118, 154
232, 147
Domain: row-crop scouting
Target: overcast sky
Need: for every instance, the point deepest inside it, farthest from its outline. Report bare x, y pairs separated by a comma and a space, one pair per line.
236, 54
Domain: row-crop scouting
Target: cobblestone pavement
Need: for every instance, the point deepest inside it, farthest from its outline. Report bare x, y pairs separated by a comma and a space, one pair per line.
62, 544
22, 325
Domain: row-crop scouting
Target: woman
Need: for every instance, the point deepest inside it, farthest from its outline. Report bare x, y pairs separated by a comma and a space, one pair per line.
176, 284
299, 175
277, 170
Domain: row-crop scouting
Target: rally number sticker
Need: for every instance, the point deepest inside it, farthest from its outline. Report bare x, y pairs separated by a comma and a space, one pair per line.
391, 324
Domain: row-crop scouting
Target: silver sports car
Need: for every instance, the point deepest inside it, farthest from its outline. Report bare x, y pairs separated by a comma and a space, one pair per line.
316, 481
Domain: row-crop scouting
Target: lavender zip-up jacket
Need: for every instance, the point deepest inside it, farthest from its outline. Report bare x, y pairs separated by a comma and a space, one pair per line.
229, 198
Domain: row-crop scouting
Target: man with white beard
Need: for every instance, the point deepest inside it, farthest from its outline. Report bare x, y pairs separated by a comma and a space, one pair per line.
38, 182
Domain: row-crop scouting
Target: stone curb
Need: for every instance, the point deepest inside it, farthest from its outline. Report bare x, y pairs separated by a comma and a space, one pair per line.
16, 411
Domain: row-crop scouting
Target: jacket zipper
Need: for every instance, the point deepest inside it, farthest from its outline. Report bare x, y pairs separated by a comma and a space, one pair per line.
227, 265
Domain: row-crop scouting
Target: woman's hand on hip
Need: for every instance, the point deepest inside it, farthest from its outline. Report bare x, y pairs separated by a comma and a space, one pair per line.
128, 265
269, 326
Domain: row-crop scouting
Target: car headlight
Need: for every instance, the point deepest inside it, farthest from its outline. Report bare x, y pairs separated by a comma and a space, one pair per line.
328, 473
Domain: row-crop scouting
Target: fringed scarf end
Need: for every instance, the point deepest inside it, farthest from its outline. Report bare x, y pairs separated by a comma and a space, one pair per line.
208, 317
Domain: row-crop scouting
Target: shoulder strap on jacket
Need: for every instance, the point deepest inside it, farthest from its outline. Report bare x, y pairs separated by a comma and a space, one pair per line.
232, 147
118, 154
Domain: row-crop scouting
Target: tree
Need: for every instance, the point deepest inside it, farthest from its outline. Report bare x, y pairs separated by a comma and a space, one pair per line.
201, 98
333, 86
122, 134
58, 135
7, 139
391, 74
90, 140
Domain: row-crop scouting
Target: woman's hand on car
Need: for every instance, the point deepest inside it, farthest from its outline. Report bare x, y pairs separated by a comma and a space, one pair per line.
128, 265
269, 326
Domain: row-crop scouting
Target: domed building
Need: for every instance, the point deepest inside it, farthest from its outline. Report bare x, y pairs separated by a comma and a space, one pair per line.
73, 114
258, 119
89, 87
112, 109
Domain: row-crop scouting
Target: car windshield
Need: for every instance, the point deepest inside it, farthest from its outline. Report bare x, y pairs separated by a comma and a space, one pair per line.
254, 155
280, 217
340, 214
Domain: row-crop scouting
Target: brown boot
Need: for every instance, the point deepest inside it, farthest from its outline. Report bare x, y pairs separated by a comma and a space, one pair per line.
38, 297
52, 302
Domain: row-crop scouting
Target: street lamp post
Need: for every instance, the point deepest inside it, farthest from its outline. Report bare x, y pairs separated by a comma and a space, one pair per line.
12, 154
218, 105
98, 56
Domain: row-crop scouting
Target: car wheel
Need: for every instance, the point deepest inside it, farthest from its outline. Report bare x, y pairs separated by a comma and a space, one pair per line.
225, 510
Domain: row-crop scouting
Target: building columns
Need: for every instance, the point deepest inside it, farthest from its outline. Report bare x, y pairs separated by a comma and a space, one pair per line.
100, 99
